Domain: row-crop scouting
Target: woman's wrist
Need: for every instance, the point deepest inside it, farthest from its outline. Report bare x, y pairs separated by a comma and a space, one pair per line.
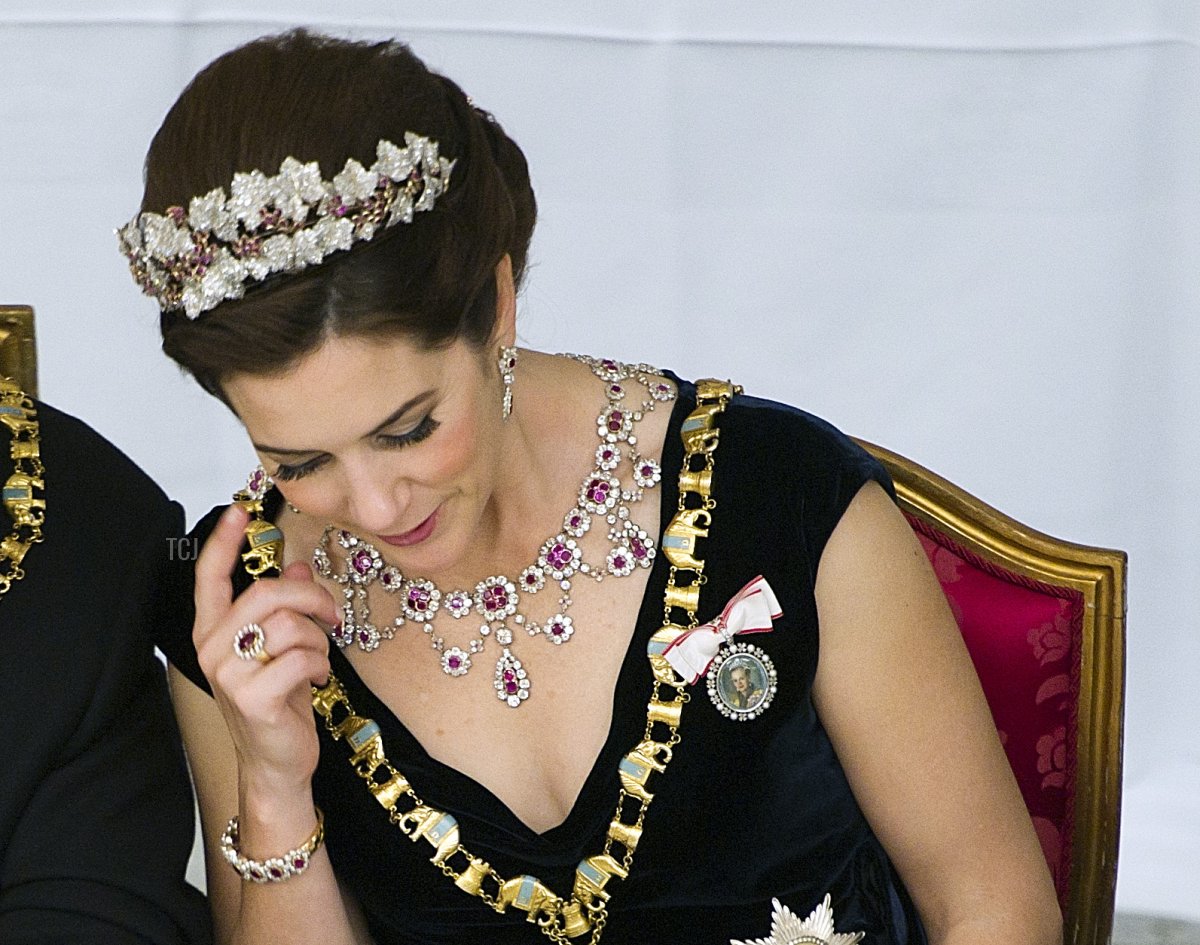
273, 815
277, 868
268, 784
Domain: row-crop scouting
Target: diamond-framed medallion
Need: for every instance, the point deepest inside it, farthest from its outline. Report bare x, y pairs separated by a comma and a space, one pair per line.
741, 681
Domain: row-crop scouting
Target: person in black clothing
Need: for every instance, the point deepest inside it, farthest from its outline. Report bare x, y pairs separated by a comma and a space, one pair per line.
96, 810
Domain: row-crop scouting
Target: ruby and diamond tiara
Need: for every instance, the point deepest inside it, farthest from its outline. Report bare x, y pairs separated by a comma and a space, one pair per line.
194, 259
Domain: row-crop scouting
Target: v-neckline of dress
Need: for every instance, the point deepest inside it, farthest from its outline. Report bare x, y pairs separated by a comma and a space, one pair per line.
593, 802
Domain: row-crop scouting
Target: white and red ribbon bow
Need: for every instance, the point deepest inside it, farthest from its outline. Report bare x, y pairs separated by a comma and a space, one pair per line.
750, 610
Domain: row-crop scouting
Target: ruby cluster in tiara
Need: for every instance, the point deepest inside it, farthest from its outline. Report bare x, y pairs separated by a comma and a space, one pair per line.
194, 259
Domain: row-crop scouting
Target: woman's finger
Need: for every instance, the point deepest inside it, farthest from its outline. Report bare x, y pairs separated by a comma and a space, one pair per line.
278, 680
214, 567
284, 593
299, 571
264, 640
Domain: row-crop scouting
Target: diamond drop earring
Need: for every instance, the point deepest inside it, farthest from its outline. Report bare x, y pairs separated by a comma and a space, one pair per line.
507, 364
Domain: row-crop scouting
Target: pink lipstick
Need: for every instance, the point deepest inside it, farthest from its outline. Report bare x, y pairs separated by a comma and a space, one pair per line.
416, 535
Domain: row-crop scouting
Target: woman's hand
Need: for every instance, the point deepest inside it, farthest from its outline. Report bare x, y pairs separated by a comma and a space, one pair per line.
253, 748
267, 706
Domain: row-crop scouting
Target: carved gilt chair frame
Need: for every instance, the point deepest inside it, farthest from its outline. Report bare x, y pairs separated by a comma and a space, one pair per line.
18, 353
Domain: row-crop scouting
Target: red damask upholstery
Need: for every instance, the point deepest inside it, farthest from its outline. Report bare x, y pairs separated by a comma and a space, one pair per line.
1044, 622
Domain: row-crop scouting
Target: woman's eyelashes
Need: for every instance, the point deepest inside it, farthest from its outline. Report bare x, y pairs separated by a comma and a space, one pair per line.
388, 440
418, 433
291, 473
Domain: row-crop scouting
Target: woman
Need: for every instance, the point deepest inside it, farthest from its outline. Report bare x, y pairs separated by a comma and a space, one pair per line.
493, 539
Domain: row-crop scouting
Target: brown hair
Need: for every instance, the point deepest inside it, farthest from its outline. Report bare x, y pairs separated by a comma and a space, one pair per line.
317, 98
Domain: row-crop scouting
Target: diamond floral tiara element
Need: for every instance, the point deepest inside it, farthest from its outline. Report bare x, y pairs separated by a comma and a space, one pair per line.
194, 259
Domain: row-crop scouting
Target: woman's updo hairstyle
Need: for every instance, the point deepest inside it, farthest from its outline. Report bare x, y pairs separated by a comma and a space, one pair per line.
317, 98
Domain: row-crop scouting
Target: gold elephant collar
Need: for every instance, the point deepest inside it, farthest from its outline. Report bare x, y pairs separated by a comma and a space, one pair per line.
25, 508
561, 918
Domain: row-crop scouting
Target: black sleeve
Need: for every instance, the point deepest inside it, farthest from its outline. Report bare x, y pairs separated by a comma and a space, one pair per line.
803, 465
827, 486
96, 816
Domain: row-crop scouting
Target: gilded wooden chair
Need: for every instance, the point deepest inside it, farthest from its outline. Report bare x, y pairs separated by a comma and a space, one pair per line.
1044, 621
18, 354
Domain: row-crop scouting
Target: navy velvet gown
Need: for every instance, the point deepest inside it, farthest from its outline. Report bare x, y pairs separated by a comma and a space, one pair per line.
746, 812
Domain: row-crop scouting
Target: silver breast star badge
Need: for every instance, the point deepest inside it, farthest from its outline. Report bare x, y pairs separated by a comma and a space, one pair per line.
788, 929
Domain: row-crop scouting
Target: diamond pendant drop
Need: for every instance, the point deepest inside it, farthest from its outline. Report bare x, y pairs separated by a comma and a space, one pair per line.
512, 683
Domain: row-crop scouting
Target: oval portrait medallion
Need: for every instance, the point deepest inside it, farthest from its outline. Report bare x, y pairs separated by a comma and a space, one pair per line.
741, 681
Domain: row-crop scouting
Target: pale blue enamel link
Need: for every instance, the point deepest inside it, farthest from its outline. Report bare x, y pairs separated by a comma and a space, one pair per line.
13, 411
632, 768
525, 896
445, 824
676, 541
16, 492
693, 424
268, 534
363, 735
589, 872
654, 648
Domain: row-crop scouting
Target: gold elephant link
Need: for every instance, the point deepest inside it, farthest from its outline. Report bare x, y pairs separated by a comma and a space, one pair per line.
22, 507
663, 637
528, 894
438, 827
266, 548
698, 429
366, 744
635, 768
679, 538
19, 421
592, 875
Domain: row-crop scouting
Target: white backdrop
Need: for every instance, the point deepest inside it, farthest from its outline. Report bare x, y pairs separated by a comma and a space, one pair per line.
972, 235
